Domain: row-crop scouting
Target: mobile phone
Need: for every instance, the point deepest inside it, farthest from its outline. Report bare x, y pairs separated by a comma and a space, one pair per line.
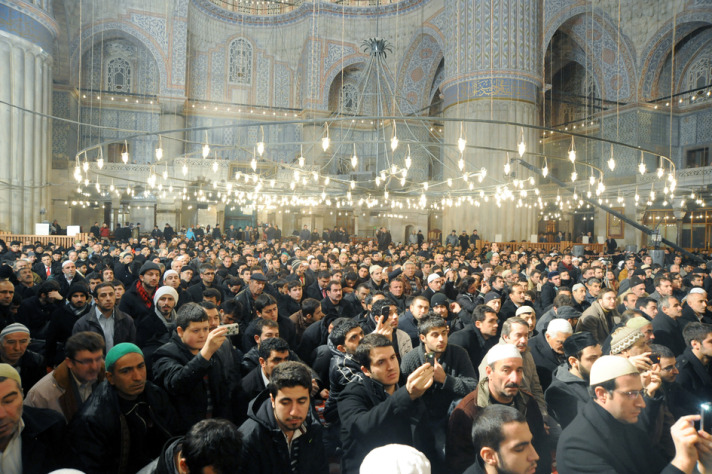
232, 329
430, 358
654, 358
705, 417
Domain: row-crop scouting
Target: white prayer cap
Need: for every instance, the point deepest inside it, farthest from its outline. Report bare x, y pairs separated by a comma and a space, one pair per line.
502, 351
559, 326
395, 459
610, 367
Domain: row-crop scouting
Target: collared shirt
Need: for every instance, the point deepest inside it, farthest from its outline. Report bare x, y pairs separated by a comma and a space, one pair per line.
84, 389
11, 458
296, 434
107, 326
264, 377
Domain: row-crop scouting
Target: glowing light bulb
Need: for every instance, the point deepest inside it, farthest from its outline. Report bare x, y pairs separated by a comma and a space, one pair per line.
572, 155
100, 163
660, 172
354, 161
165, 174
301, 161
591, 180
641, 167
461, 163
206, 150
522, 147
327, 180
461, 143
507, 168
394, 169
353, 184
325, 142
184, 169
260, 148
215, 166
85, 166
253, 164
425, 185
394, 143
545, 171
574, 176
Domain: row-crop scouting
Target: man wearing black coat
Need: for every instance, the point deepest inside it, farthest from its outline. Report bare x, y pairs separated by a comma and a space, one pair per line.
137, 302
247, 297
550, 289
207, 280
374, 410
42, 441
126, 421
14, 340
272, 352
568, 392
606, 436
668, 325
67, 276
270, 443
188, 369
62, 322
105, 319
36, 312
694, 362
478, 338
547, 349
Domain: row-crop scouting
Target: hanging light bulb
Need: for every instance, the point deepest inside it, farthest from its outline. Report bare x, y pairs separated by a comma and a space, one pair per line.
408, 160
353, 184
184, 169
522, 147
545, 169
394, 140
394, 169
206, 147
85, 166
507, 166
159, 150
591, 180
326, 141
253, 161
111, 187
327, 180
165, 174
637, 196
611, 161
425, 185
100, 161
572, 151
125, 153
574, 175
301, 156
641, 165
461, 142
215, 166
261, 143
461, 163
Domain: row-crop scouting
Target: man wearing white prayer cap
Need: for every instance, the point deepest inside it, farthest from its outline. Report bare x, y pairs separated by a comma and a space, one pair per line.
609, 435
501, 386
395, 459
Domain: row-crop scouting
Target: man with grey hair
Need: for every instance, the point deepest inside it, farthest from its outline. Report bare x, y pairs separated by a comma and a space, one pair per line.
667, 326
578, 292
547, 349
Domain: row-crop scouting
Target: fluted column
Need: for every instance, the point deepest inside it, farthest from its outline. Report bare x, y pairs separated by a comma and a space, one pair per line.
25, 138
495, 74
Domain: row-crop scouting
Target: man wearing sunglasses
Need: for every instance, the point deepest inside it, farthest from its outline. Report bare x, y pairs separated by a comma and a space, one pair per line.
68, 386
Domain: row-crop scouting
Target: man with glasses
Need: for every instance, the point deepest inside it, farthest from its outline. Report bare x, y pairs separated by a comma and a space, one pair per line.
68, 386
207, 280
606, 434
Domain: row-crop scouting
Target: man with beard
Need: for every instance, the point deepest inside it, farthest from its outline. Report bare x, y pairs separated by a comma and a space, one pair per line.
500, 386
62, 323
601, 317
503, 443
67, 276
155, 330
246, 298
281, 434
36, 311
68, 386
568, 392
112, 324
138, 299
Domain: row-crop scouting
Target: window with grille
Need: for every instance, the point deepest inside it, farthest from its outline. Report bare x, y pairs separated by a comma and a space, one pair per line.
118, 75
240, 64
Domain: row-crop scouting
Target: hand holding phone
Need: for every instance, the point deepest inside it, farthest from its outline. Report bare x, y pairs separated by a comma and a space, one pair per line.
430, 358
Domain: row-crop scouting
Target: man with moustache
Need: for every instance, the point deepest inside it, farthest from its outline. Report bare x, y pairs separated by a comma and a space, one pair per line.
137, 302
501, 385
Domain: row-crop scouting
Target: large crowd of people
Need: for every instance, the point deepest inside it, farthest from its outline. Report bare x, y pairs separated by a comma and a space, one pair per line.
247, 352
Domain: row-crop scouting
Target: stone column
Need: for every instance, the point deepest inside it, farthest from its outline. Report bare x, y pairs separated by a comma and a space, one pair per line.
495, 74
25, 82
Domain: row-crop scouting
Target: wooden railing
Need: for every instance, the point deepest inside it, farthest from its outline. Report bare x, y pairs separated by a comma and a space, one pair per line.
545, 246
30, 239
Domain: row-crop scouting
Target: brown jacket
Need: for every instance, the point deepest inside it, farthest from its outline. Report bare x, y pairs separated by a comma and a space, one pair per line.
56, 392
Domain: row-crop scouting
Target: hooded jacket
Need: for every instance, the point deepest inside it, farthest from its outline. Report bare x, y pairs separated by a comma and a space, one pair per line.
566, 395
264, 446
342, 370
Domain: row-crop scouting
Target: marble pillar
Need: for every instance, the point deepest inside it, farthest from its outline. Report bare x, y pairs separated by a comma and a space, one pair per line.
495, 75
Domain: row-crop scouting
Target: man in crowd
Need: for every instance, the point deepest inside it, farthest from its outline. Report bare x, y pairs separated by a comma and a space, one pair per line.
568, 391
500, 386
127, 407
479, 337
667, 325
14, 340
106, 320
69, 385
283, 410
693, 364
374, 410
186, 367
138, 299
600, 318
547, 349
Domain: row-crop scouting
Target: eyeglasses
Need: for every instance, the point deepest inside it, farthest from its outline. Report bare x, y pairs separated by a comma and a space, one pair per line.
632, 395
89, 361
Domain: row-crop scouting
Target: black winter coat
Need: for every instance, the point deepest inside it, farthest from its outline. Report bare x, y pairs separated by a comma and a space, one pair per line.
595, 442
668, 332
471, 339
181, 374
133, 305
544, 358
101, 436
43, 440
371, 418
694, 376
60, 329
264, 447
